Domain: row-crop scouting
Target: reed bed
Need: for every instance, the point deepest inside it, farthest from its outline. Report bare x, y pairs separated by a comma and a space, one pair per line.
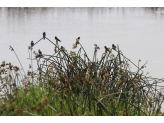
70, 84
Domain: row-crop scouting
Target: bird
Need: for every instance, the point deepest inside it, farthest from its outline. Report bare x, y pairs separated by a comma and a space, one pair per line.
40, 53
113, 47
106, 49
44, 35
57, 39
32, 43
78, 39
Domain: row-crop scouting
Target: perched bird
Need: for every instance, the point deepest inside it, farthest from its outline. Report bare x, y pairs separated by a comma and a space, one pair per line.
57, 39
44, 35
32, 43
62, 48
40, 53
78, 39
113, 47
106, 49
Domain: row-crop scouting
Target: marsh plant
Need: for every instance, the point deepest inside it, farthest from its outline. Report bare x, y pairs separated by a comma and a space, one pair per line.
70, 84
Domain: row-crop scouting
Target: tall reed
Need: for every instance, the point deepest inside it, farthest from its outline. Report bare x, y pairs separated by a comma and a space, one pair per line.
71, 84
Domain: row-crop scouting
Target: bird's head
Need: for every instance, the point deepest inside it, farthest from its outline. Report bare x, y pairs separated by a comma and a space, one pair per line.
78, 37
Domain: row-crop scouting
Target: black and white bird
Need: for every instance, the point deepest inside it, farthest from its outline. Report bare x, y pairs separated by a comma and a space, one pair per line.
57, 39
44, 35
40, 53
32, 43
78, 39
106, 49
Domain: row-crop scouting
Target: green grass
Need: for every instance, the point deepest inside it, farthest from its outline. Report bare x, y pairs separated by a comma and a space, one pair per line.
70, 84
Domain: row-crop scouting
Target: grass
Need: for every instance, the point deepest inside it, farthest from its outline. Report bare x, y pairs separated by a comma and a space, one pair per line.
70, 84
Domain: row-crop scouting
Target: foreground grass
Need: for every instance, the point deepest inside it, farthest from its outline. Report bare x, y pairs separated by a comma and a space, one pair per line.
70, 84
55, 104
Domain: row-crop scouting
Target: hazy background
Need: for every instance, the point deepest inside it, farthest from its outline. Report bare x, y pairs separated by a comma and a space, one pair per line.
139, 32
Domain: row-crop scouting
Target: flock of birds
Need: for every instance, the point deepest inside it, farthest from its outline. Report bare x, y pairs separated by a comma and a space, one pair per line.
44, 36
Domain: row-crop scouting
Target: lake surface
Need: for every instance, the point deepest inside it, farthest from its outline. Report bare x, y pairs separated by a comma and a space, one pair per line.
139, 32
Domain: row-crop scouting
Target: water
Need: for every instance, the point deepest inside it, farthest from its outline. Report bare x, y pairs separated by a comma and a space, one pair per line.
137, 31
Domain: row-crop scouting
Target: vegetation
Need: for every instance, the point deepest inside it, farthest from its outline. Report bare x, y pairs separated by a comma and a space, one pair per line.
70, 84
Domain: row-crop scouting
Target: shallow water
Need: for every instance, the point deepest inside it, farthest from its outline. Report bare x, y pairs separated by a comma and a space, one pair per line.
137, 31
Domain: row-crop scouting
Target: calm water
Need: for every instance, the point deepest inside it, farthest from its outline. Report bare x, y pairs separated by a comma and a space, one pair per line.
139, 32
